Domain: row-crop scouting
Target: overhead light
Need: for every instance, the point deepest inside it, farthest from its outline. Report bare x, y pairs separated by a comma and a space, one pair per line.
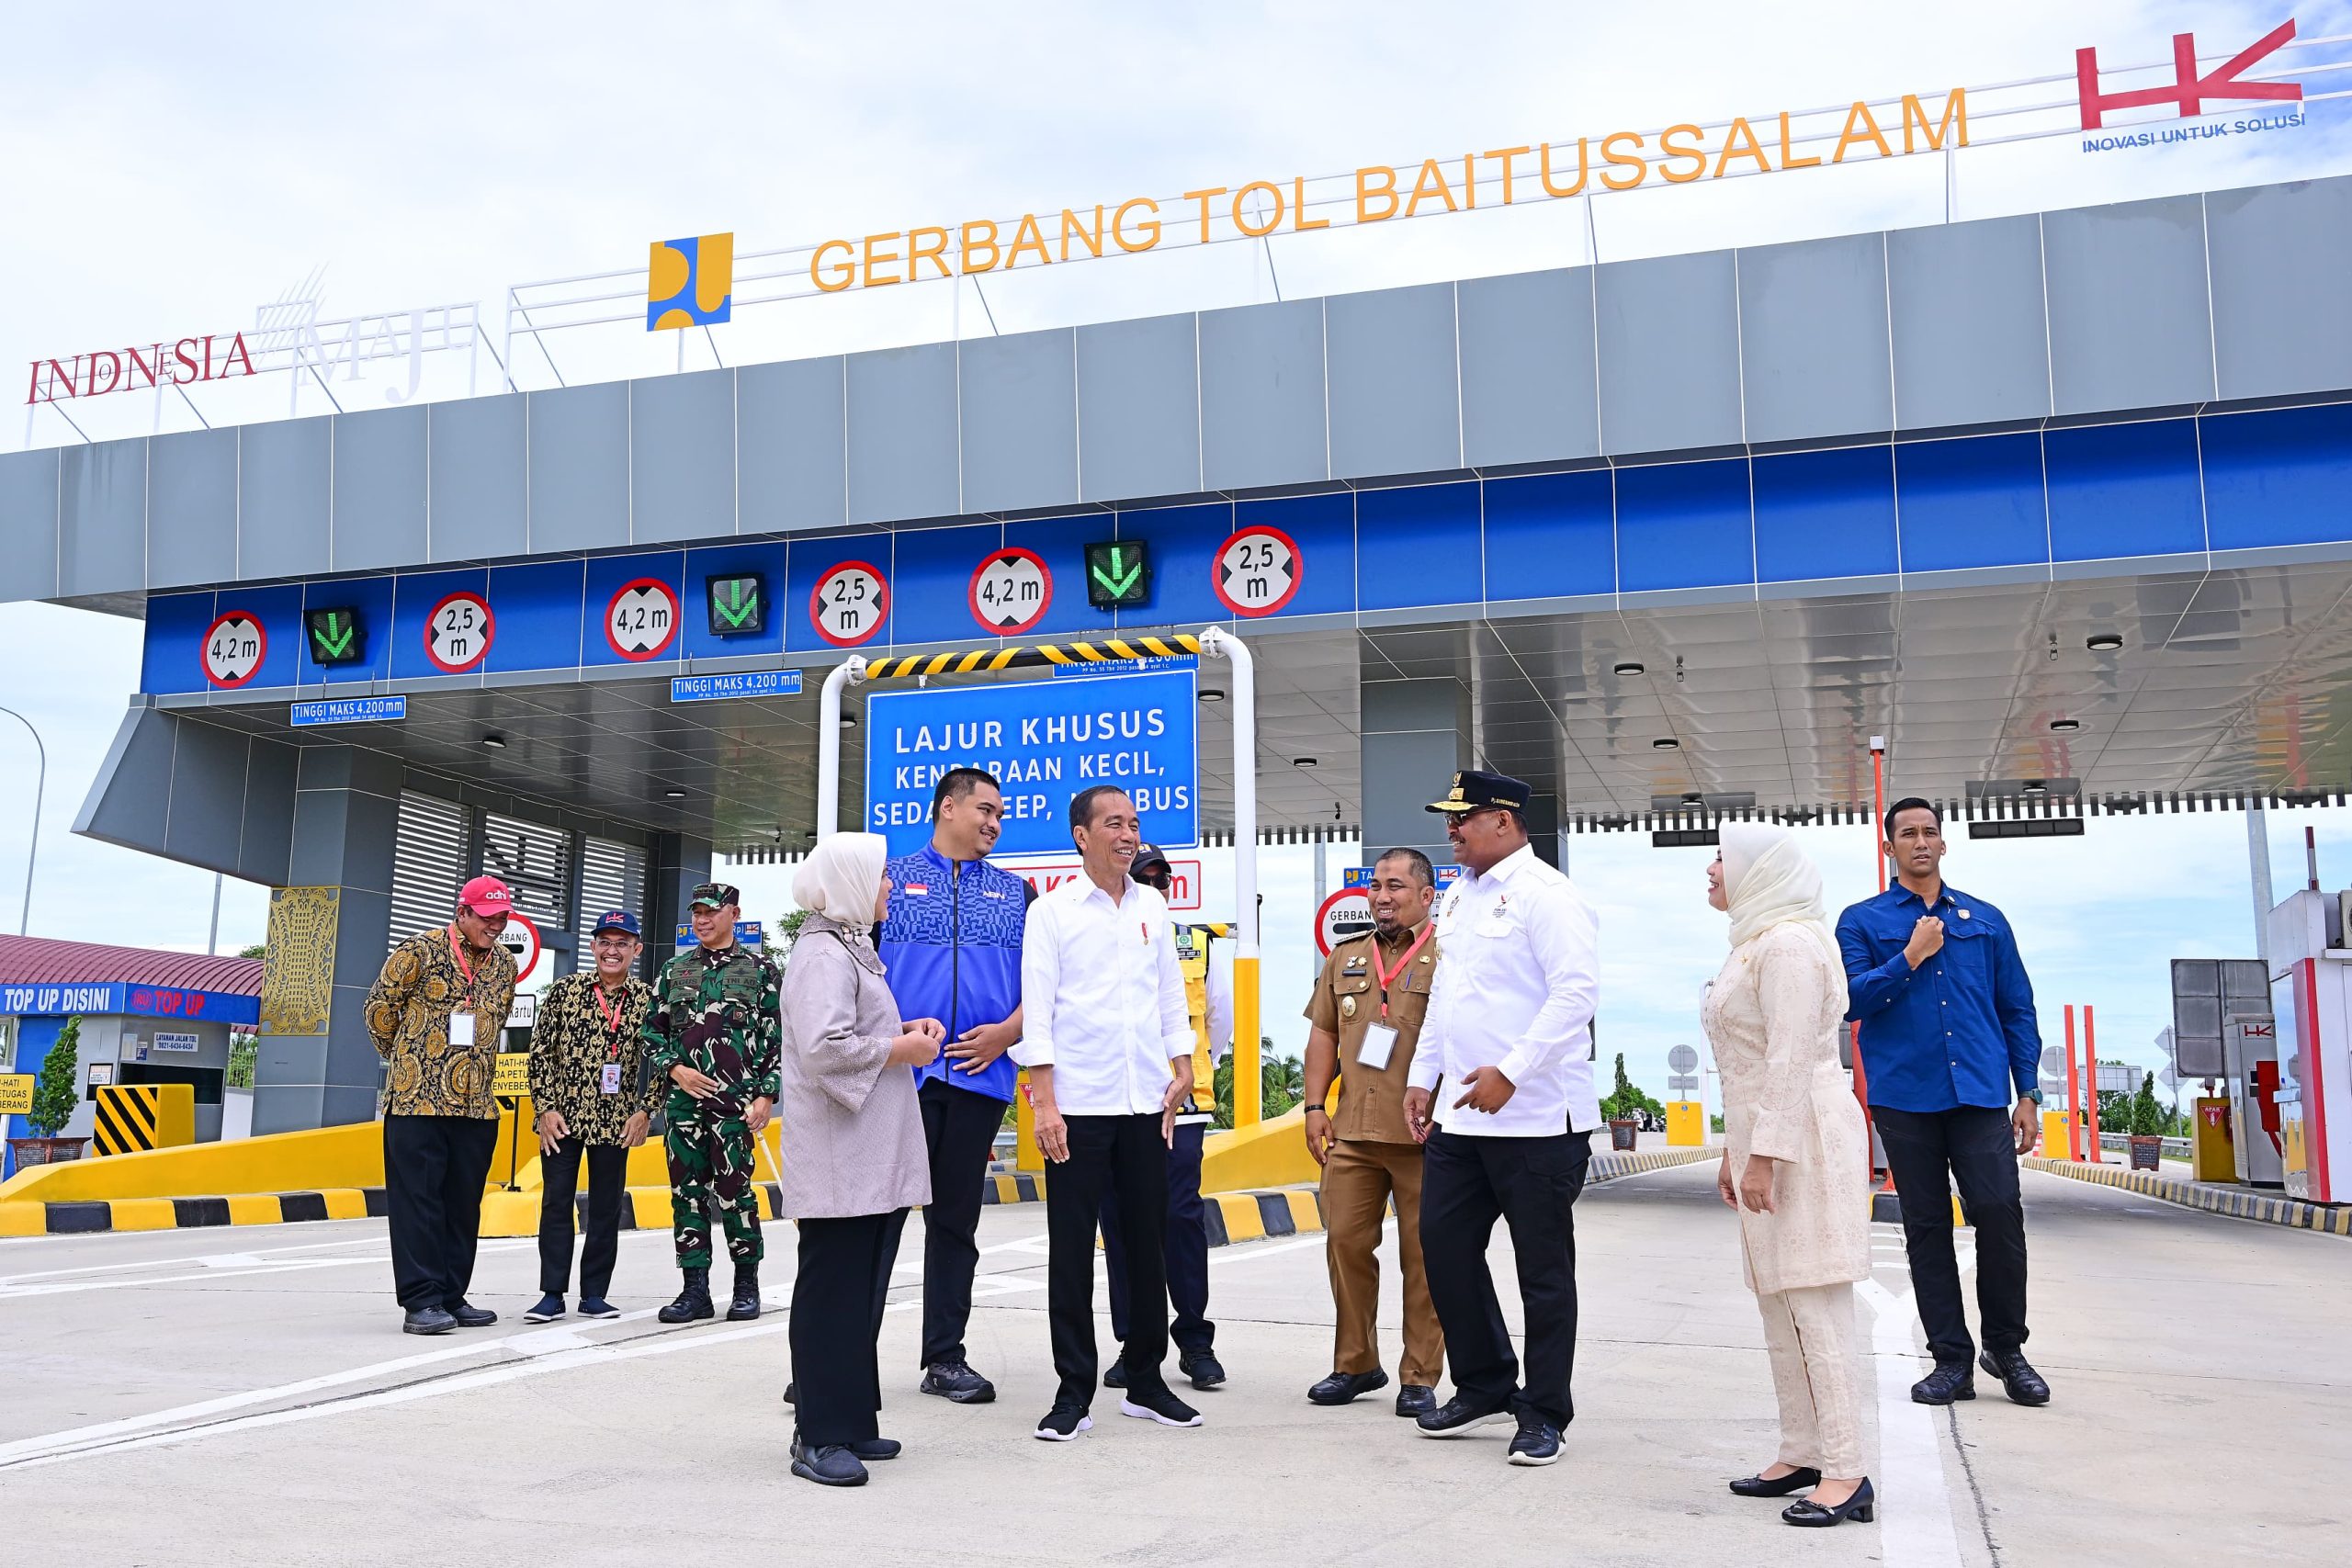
674, 795
1629, 667
1302, 762
2034, 786
1666, 743
495, 742
2103, 642
810, 834
1694, 800
2065, 726
849, 721
1211, 694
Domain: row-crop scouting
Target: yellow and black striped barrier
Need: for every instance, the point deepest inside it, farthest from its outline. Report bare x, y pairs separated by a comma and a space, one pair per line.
987, 660
135, 1117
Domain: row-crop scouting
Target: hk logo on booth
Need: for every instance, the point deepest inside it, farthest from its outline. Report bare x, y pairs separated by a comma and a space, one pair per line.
2190, 90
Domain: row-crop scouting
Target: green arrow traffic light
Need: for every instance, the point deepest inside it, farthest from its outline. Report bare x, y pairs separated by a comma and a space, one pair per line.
738, 605
1117, 574
335, 636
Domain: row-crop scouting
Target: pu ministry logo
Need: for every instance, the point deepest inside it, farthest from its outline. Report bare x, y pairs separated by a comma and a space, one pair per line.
690, 283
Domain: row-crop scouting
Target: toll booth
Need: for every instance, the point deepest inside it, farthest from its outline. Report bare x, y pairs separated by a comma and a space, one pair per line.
2310, 998
148, 1017
2222, 1031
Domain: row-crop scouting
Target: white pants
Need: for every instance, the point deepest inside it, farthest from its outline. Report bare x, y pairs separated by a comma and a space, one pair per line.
1815, 1375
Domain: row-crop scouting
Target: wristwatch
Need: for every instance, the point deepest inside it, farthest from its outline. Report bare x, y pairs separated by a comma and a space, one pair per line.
2032, 1094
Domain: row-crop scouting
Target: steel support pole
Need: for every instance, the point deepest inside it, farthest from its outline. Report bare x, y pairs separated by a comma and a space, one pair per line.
2258, 860
849, 672
32, 846
1249, 1082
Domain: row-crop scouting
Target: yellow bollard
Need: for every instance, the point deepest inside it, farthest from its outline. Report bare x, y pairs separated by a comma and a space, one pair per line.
2054, 1134
1248, 1077
2211, 1155
1686, 1123
1025, 1153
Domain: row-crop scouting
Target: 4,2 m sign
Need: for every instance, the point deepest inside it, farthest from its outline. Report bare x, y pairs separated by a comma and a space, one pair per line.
642, 618
234, 646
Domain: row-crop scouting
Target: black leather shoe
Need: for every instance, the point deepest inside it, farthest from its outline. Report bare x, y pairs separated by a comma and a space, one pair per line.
1202, 1368
1538, 1442
1458, 1415
1416, 1399
1115, 1374
958, 1384
746, 1305
791, 1394
1342, 1388
1780, 1486
1862, 1508
2017, 1374
1951, 1380
427, 1320
694, 1302
833, 1465
468, 1315
871, 1450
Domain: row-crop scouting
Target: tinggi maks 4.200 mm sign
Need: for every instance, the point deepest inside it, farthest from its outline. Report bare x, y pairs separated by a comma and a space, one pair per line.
1044, 741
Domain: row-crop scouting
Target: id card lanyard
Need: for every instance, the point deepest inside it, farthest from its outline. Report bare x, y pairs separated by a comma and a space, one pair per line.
458, 955
608, 1077
1385, 975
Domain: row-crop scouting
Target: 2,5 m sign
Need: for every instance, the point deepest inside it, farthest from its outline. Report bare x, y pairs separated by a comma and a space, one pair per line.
1044, 741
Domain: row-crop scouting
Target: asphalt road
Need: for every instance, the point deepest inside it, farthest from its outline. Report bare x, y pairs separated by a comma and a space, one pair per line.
213, 1396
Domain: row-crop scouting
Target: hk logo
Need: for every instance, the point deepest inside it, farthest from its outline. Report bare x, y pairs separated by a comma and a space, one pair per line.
690, 283
2190, 90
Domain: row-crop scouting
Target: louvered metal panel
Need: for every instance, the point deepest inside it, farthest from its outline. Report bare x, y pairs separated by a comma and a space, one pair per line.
428, 862
535, 860
612, 876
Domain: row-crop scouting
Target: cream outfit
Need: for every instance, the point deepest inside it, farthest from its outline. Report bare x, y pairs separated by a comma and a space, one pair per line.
1773, 1016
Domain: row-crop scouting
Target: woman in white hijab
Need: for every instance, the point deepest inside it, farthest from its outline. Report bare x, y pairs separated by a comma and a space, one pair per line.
854, 1158
1795, 1166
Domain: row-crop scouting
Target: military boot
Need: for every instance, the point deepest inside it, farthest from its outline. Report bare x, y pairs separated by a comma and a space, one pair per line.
746, 1305
692, 1303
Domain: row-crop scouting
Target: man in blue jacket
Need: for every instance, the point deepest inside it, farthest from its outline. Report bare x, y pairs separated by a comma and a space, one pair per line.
1934, 977
951, 947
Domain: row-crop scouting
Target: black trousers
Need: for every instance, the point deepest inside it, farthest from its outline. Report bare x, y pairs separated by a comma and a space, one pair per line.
959, 1127
1120, 1158
1186, 1248
837, 1301
559, 1173
1532, 1184
434, 1171
1928, 1152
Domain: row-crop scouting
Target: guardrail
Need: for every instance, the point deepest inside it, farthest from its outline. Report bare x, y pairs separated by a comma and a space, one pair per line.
2175, 1148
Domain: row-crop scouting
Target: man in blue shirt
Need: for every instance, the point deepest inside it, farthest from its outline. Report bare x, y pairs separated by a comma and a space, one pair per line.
951, 945
1934, 978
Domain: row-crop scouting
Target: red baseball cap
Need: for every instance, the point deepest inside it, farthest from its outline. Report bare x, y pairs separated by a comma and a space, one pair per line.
487, 896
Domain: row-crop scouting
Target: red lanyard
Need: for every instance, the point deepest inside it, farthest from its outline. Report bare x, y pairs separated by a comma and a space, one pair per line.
1385, 975
458, 952
612, 1012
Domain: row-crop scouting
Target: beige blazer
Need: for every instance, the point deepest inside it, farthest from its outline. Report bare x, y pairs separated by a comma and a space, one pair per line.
1773, 1016
852, 1131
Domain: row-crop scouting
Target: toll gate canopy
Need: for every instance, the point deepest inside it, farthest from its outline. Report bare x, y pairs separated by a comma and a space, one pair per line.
2054, 503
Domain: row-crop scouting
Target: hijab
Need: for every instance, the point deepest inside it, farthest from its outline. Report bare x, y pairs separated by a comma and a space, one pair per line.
842, 877
1769, 881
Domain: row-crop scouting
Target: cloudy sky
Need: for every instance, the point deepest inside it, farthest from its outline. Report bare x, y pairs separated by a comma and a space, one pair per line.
171, 168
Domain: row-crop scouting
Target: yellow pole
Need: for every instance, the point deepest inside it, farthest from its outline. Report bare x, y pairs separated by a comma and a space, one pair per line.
1249, 1077
1026, 1155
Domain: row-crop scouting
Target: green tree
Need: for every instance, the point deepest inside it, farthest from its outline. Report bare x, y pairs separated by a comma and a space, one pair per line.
243, 1048
1626, 1100
2114, 1105
2148, 1118
1282, 1084
257, 949
782, 934
53, 1094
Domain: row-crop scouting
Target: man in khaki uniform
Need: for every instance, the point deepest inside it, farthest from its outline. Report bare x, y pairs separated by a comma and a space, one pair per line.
1365, 1014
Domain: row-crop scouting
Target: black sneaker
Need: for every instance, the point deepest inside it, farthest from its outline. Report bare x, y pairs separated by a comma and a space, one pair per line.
833, 1465
1951, 1380
597, 1306
1202, 1368
1115, 1376
1162, 1406
1063, 1423
470, 1316
1538, 1441
871, 1450
1416, 1399
958, 1384
550, 1308
1458, 1415
1342, 1388
427, 1320
2017, 1374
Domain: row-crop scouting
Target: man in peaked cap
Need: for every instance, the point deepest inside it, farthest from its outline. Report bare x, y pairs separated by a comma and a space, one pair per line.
1500, 1096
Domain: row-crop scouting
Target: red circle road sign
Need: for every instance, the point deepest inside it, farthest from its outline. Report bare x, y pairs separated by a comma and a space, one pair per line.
1257, 570
458, 632
641, 618
849, 604
1010, 591
1344, 914
234, 646
521, 940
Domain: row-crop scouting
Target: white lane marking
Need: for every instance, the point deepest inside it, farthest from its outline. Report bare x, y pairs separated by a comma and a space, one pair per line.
1248, 1252
375, 1242
1914, 1503
230, 1260
213, 1269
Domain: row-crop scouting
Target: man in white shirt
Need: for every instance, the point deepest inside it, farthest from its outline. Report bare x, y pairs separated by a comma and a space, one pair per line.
1510, 1031
1108, 1042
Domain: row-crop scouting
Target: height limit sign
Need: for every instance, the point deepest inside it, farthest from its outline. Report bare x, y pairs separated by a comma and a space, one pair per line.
1011, 592
1258, 570
849, 604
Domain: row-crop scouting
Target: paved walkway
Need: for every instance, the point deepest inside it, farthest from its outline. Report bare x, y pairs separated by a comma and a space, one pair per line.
170, 1399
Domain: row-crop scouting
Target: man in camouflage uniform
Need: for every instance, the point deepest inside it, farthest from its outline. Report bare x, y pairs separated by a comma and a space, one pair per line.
714, 1033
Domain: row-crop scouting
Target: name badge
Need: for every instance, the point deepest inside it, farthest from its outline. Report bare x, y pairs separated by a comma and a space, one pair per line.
609, 1077
461, 1029
1379, 1040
